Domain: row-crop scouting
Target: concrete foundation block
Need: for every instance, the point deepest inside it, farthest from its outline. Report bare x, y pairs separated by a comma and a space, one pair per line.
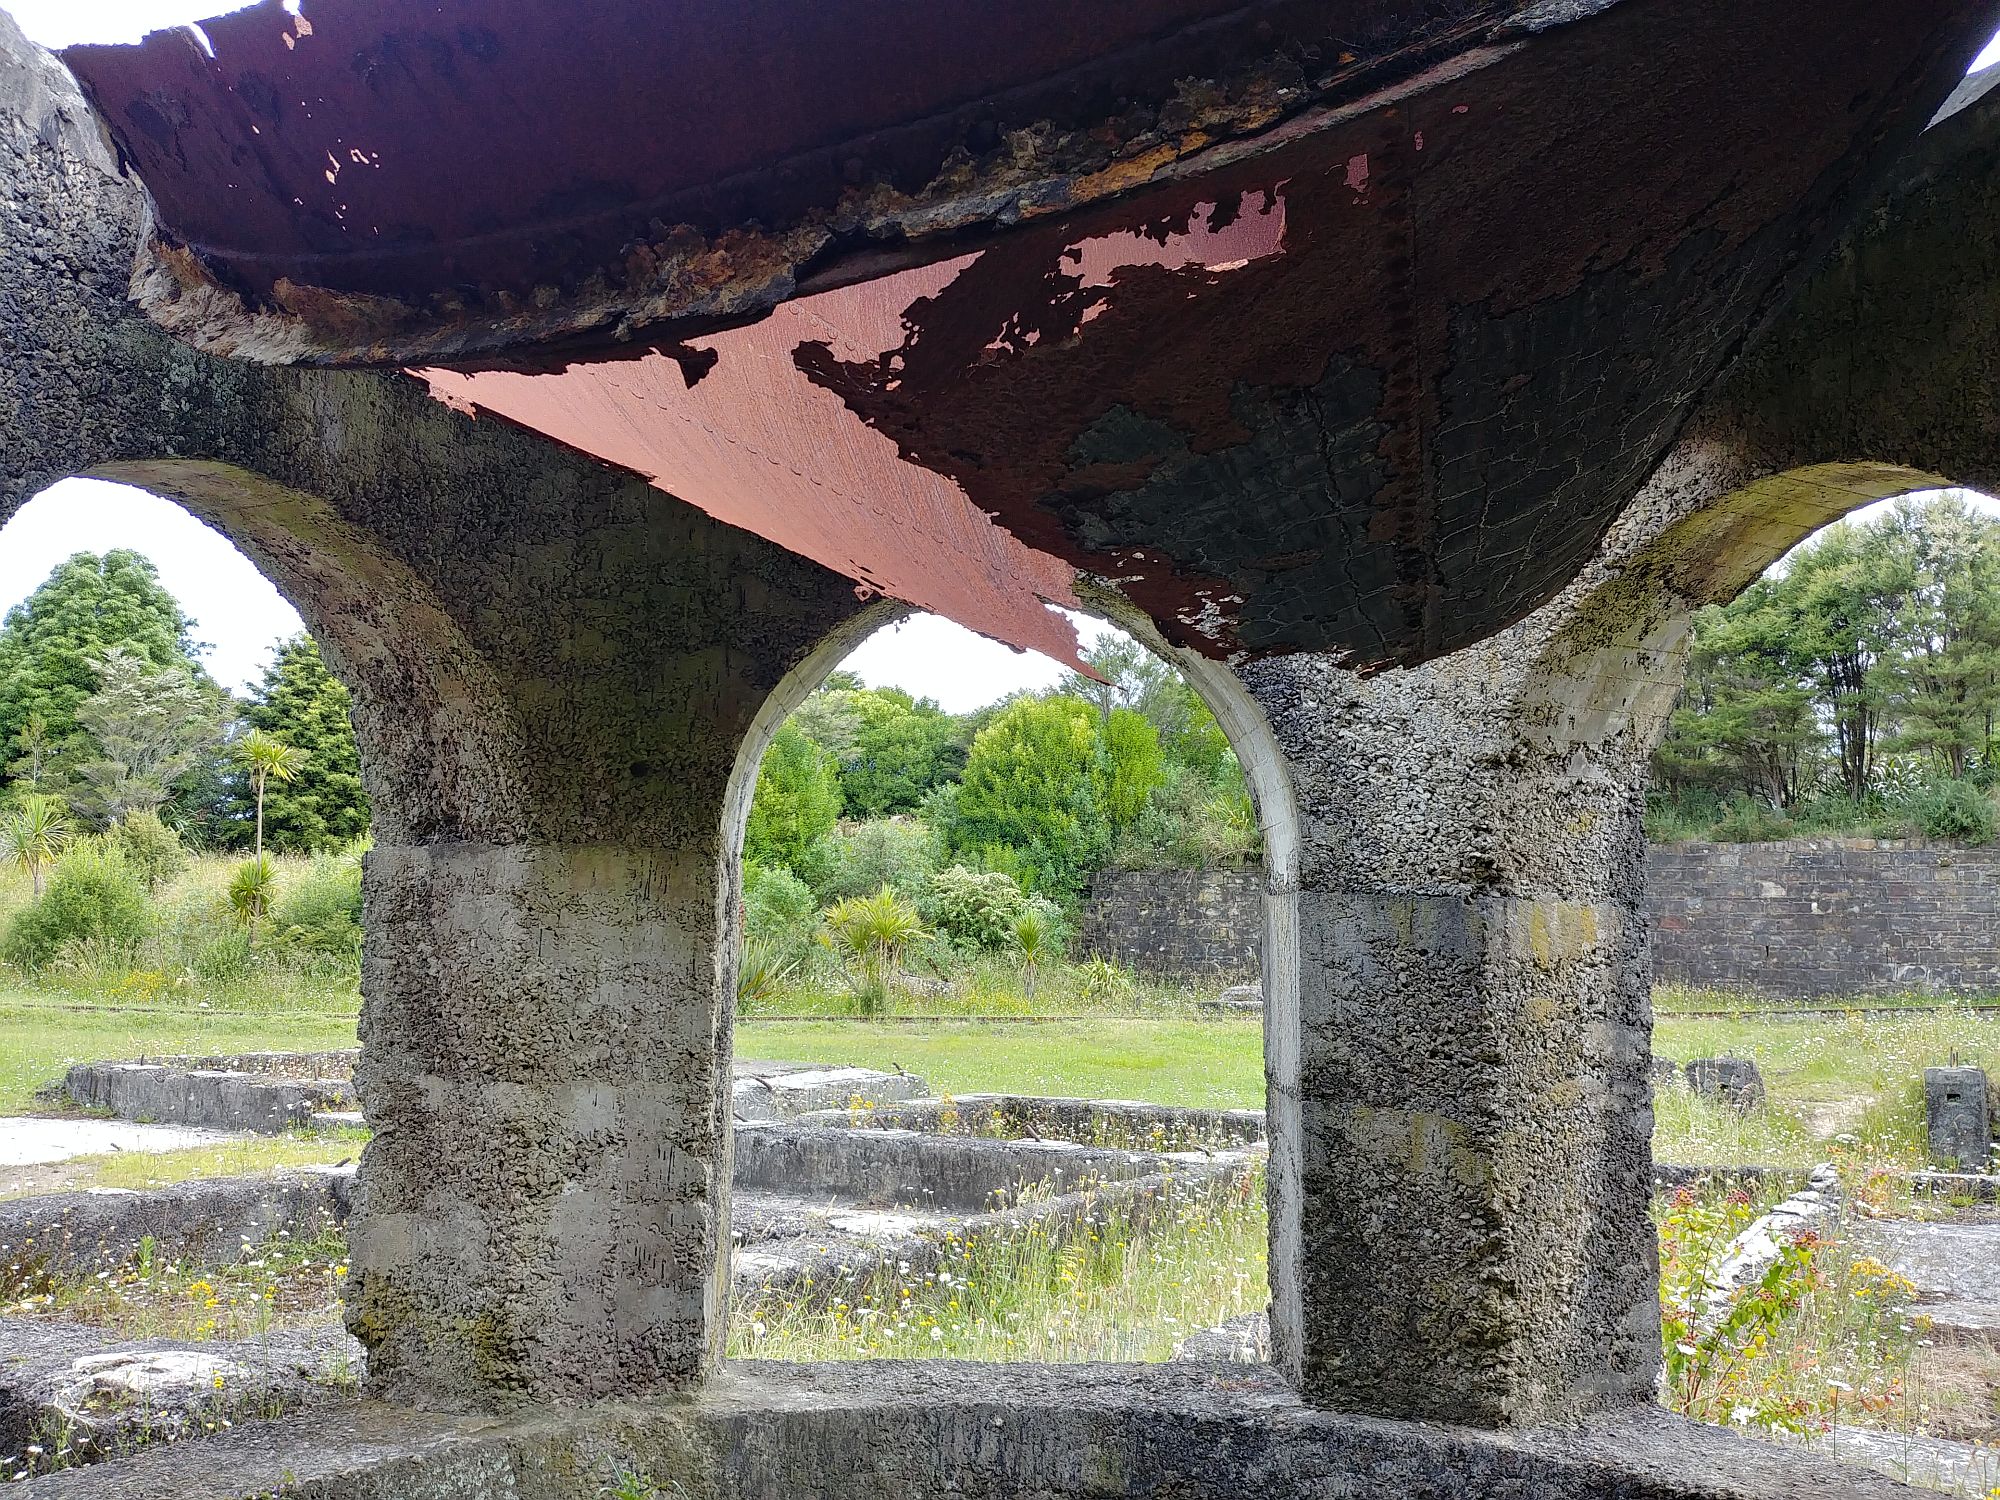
1733, 1081
1958, 1116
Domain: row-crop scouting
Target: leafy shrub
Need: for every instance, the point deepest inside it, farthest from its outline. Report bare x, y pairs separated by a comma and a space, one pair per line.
892, 852
320, 917
153, 852
973, 909
777, 905
1192, 822
796, 803
1954, 810
92, 899
1034, 784
1750, 822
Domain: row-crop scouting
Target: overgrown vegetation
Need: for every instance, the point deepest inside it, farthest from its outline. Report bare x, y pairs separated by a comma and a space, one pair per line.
1852, 690
1120, 1291
1822, 1335
987, 828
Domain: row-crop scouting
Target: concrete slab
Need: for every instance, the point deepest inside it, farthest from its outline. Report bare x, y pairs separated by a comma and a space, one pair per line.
1936, 1463
1955, 1265
27, 1141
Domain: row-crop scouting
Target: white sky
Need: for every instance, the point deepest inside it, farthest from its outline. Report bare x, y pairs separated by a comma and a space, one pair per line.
244, 616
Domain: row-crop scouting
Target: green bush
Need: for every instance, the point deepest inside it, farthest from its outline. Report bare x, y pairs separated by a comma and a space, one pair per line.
320, 917
864, 857
778, 907
153, 852
972, 909
93, 899
1954, 810
1750, 822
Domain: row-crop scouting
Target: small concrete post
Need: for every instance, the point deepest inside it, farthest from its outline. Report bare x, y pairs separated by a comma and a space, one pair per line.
1956, 1114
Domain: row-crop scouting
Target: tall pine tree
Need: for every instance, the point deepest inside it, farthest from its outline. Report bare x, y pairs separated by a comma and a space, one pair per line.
323, 806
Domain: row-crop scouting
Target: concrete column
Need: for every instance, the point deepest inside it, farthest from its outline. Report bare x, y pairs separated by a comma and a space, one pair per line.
544, 1065
1461, 1134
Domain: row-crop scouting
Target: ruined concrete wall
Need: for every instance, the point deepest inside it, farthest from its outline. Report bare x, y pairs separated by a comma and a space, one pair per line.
1826, 917
1799, 919
1176, 922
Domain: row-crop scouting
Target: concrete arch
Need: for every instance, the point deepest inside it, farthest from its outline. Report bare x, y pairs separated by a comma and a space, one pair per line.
1609, 662
1266, 770
431, 722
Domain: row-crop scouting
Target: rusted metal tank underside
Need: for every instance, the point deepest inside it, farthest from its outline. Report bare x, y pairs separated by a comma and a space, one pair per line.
1313, 324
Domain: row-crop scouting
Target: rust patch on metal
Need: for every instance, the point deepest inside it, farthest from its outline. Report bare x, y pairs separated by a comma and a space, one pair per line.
372, 164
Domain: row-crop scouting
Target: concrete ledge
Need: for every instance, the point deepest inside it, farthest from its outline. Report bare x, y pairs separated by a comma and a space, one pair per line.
905, 1168
784, 1091
1124, 1123
173, 1092
203, 1222
969, 1432
69, 1382
270, 1092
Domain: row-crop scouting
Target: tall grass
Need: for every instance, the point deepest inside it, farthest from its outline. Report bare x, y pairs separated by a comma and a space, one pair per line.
1114, 1293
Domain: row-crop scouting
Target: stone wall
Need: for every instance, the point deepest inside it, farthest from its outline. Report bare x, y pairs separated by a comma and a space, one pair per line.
1802, 918
1815, 917
1176, 921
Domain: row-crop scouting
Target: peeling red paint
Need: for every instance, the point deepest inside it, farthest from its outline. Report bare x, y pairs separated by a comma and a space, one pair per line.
652, 134
757, 444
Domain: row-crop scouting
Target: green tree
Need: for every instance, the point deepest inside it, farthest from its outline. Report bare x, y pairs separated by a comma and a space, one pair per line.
52, 642
322, 805
1746, 724
32, 767
145, 728
796, 803
1033, 785
891, 749
1940, 680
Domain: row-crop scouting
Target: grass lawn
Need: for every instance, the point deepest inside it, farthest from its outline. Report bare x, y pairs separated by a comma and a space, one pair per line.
1214, 1064
40, 1036
1827, 1076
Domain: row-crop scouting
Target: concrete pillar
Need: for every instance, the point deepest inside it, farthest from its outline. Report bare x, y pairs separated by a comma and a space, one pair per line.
545, 1071
1461, 1133
548, 970
1958, 1119
560, 677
